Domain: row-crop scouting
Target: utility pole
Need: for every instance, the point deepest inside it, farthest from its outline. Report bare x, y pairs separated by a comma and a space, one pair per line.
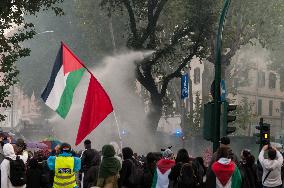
217, 93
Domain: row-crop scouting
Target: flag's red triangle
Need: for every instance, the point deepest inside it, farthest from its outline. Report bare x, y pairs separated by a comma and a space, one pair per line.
70, 61
96, 108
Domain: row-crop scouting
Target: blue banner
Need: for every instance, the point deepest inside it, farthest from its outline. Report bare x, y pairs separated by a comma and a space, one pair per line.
184, 86
223, 90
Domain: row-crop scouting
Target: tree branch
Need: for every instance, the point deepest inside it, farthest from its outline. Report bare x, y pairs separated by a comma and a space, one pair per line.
132, 19
168, 48
146, 79
177, 72
152, 24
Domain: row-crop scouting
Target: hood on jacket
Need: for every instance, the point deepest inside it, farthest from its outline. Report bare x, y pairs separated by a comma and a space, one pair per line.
165, 164
116, 147
127, 153
9, 151
108, 151
224, 161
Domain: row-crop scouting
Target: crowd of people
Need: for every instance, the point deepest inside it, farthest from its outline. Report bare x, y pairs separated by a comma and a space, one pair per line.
115, 168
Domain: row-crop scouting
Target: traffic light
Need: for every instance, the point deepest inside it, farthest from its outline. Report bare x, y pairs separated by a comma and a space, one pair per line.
227, 117
208, 122
264, 133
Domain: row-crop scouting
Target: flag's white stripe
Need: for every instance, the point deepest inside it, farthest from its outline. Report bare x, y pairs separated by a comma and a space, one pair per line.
163, 180
57, 90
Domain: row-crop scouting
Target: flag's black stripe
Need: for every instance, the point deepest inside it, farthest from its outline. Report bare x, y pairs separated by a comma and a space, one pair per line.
55, 70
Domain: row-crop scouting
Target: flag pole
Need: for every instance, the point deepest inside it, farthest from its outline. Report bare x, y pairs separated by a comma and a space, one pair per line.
118, 129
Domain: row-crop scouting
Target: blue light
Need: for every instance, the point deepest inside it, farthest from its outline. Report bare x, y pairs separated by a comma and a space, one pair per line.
123, 132
178, 132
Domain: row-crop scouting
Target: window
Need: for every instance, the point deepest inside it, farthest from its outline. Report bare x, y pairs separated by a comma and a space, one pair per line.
270, 107
282, 107
261, 79
282, 82
196, 75
272, 81
259, 107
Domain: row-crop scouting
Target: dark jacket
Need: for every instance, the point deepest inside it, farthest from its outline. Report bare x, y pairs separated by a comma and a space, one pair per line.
33, 174
148, 173
89, 157
249, 175
38, 175
125, 173
92, 176
189, 174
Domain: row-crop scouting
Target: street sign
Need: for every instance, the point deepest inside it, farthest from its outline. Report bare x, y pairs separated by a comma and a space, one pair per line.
223, 90
184, 86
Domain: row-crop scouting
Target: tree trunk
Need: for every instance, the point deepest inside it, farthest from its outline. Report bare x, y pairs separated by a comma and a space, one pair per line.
190, 102
155, 111
207, 79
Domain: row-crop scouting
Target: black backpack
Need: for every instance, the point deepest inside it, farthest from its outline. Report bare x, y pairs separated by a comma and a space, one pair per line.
45, 174
198, 172
136, 174
188, 176
18, 175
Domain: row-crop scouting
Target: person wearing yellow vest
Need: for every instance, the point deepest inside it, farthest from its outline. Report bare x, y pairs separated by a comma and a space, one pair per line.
65, 166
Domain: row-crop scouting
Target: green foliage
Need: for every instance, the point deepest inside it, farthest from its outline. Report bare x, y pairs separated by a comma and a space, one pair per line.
197, 112
14, 29
244, 113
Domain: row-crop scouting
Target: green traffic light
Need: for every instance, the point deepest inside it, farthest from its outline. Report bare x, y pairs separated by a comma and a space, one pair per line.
227, 118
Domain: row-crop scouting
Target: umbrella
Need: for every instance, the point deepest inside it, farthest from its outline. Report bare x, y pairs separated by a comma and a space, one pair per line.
38, 145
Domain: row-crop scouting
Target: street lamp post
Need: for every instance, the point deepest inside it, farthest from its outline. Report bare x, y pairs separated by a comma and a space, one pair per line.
217, 80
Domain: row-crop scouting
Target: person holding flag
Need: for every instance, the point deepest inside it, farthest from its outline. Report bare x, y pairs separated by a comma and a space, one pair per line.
66, 74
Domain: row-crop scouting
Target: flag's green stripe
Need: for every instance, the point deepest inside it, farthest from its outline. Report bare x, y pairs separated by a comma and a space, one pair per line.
155, 179
66, 99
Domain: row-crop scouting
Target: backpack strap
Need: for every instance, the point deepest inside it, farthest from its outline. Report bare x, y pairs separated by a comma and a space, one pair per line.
9, 159
182, 167
267, 175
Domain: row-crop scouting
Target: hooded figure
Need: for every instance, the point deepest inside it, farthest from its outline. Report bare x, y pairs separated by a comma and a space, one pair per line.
109, 168
160, 179
9, 152
126, 169
223, 173
117, 151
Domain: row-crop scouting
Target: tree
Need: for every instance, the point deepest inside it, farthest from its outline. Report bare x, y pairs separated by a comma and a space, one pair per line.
177, 30
197, 112
248, 22
13, 31
245, 115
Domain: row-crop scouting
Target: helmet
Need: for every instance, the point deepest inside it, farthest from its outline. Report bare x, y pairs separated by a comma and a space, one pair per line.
65, 147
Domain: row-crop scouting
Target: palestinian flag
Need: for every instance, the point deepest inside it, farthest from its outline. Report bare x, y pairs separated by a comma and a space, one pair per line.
161, 176
58, 94
227, 174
